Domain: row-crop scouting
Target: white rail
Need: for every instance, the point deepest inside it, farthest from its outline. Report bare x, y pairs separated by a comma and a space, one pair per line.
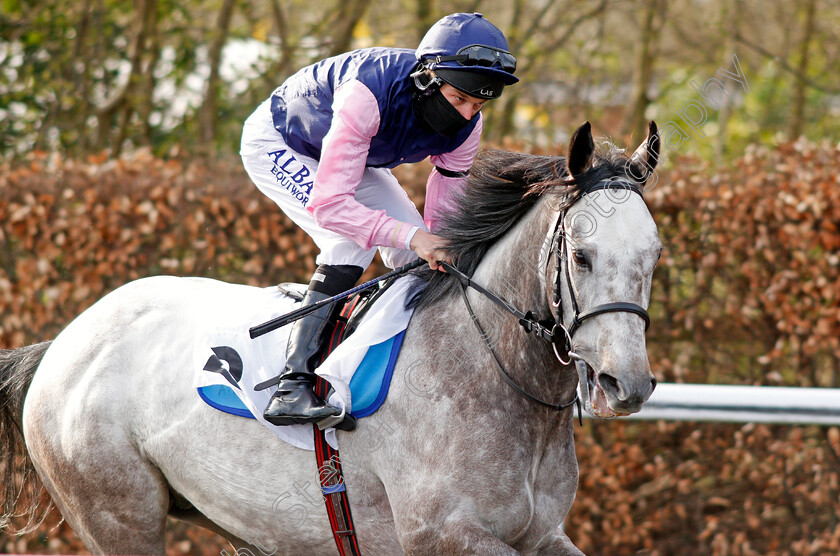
743, 404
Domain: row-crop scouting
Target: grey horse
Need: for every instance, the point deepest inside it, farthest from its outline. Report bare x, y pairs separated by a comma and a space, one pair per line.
460, 459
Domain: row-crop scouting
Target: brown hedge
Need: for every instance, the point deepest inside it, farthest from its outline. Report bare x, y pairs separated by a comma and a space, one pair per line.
746, 293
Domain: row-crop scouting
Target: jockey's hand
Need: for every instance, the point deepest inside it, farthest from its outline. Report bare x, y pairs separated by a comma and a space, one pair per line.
431, 248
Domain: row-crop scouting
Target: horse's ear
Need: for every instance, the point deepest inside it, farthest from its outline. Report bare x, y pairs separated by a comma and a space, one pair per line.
647, 155
581, 148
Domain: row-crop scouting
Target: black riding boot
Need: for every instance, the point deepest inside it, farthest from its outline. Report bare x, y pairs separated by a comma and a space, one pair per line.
294, 402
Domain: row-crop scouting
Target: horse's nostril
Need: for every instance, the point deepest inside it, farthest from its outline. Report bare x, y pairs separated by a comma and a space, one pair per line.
653, 384
611, 385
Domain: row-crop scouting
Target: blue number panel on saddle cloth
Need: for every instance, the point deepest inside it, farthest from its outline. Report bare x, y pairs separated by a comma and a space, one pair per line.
368, 387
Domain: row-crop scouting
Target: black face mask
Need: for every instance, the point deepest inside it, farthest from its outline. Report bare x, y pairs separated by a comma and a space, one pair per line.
432, 108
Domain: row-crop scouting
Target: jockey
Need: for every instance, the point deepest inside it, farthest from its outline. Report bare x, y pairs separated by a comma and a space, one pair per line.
322, 146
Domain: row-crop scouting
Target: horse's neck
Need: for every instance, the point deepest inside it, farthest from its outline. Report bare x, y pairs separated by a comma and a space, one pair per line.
518, 269
515, 266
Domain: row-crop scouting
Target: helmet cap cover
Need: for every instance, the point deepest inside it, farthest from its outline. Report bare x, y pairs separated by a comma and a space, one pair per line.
481, 48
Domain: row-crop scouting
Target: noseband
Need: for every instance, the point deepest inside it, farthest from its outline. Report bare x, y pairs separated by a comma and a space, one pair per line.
548, 329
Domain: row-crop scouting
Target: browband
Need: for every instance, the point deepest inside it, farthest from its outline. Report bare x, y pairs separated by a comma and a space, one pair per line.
614, 185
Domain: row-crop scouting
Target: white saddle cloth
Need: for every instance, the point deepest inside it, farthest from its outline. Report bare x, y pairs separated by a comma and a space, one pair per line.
265, 357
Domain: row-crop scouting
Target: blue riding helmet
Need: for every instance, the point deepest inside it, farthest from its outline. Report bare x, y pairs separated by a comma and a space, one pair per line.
469, 53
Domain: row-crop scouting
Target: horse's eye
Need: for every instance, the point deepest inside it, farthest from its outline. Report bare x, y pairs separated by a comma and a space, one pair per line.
580, 258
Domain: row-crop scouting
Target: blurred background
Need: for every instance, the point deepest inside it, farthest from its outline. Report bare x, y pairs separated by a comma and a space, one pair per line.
83, 76
119, 130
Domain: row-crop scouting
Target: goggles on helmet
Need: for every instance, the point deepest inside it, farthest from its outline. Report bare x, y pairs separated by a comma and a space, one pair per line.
484, 56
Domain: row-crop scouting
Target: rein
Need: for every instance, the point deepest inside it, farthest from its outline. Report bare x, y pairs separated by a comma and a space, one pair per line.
528, 322
548, 329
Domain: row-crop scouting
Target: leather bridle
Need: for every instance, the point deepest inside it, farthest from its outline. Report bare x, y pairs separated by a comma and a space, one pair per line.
560, 242
551, 329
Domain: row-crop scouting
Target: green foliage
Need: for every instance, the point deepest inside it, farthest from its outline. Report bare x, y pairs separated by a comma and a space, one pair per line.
64, 65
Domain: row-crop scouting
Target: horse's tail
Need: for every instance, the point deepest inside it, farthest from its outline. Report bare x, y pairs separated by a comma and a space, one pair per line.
17, 367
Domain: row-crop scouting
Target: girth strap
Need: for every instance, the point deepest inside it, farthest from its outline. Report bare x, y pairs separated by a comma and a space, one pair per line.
332, 487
